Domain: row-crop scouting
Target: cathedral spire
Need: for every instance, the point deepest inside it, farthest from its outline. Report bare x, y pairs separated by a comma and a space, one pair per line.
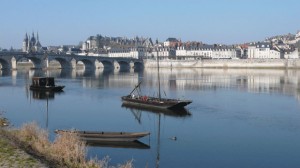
26, 37
37, 44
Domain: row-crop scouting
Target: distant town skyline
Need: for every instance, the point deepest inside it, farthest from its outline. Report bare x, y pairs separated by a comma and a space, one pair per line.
214, 21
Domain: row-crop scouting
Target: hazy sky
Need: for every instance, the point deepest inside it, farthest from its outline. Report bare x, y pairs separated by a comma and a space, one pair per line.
210, 21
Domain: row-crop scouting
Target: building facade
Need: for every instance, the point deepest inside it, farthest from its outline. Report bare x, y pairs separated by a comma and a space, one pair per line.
134, 52
263, 51
206, 52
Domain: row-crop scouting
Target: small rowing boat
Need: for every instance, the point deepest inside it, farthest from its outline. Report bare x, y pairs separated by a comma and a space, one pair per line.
106, 136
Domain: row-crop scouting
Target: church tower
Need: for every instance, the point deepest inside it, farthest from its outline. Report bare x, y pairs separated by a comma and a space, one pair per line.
31, 44
37, 45
25, 44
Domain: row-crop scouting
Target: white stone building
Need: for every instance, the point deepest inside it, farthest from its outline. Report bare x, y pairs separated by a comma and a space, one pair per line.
206, 52
292, 54
135, 52
262, 51
164, 53
170, 42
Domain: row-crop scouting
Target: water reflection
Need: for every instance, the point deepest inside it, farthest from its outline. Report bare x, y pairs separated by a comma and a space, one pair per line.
252, 80
223, 115
137, 111
122, 144
43, 96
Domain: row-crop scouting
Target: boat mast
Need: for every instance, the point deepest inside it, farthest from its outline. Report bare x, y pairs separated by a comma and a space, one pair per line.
159, 95
138, 85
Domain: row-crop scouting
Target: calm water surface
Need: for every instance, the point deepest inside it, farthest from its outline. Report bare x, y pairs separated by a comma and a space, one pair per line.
238, 118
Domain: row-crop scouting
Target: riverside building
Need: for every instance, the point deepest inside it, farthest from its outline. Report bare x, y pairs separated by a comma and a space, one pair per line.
206, 52
263, 50
133, 52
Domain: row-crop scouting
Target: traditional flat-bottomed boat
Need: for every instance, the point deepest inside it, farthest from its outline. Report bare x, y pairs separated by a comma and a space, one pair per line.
106, 136
156, 103
45, 84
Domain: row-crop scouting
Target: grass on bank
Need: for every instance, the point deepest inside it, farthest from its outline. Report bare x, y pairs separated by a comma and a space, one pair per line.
67, 150
10, 155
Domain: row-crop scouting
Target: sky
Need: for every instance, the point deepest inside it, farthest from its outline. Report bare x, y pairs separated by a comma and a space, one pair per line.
67, 22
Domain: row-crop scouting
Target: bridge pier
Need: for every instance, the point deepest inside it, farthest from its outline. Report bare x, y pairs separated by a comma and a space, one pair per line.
131, 64
98, 65
13, 63
116, 65
73, 64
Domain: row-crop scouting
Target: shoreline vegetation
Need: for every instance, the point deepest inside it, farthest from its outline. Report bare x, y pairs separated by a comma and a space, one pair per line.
67, 150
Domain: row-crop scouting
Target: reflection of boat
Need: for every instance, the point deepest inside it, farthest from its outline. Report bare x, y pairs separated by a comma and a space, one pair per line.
182, 112
119, 144
106, 136
42, 95
174, 113
153, 102
45, 84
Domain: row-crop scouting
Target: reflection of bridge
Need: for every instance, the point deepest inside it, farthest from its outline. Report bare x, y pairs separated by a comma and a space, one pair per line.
9, 60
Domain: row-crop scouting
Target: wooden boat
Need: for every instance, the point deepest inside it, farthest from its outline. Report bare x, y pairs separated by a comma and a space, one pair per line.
45, 84
106, 136
157, 103
154, 103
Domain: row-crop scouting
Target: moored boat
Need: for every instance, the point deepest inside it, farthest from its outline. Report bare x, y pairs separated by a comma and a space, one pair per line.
157, 103
106, 136
154, 102
45, 84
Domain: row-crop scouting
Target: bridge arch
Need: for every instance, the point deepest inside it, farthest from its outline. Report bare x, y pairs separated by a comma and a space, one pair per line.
65, 64
107, 64
124, 65
5, 64
36, 61
88, 64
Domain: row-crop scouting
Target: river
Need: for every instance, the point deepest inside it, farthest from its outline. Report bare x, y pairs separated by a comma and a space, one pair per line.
238, 118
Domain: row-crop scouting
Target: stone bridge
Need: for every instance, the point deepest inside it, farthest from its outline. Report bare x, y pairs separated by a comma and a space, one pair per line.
9, 60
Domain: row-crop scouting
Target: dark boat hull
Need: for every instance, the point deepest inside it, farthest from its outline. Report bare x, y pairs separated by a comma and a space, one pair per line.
155, 103
119, 144
47, 88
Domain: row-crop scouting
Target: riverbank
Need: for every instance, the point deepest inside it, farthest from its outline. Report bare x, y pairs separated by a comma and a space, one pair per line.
29, 147
12, 156
226, 63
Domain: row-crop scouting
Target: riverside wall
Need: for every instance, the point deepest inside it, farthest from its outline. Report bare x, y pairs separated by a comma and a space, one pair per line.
226, 63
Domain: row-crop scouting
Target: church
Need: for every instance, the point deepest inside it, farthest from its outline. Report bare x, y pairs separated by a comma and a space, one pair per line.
31, 44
